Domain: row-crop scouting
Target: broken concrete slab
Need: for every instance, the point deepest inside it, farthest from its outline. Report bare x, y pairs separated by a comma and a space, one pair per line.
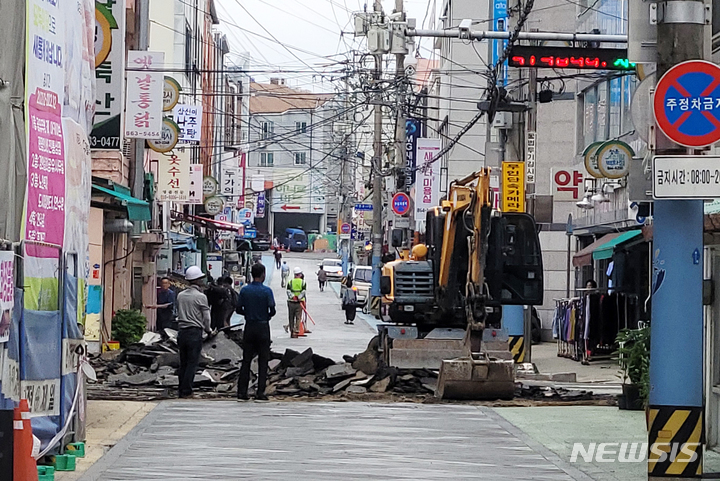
273, 364
356, 390
369, 360
297, 371
168, 359
288, 356
140, 379
320, 362
339, 371
382, 385
150, 338
303, 358
226, 387
341, 385
221, 348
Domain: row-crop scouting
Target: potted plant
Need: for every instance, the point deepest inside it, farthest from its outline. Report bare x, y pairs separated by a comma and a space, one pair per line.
633, 355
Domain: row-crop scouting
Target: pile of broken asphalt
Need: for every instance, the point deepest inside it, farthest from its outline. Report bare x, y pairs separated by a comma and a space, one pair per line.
148, 371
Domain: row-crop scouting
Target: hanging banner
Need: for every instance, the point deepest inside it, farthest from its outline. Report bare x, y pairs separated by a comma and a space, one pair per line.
530, 151
45, 78
7, 293
189, 119
195, 194
260, 209
427, 183
174, 176
513, 187
109, 74
412, 133
144, 101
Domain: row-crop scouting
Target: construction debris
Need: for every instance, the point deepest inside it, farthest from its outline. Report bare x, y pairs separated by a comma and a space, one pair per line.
148, 371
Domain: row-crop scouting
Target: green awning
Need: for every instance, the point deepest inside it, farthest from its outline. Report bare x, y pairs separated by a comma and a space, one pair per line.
605, 251
137, 209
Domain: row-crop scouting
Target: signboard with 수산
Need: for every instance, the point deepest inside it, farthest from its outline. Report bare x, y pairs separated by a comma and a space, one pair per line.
686, 177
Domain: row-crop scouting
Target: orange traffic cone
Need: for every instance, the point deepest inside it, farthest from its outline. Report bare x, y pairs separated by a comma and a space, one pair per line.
301, 329
24, 466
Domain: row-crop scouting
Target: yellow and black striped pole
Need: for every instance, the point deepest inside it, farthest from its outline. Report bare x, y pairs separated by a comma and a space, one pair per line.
676, 436
517, 348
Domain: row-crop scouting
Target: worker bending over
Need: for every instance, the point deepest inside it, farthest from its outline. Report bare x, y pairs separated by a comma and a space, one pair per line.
296, 297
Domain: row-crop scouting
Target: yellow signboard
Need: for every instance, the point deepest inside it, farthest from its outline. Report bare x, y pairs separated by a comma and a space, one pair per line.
513, 187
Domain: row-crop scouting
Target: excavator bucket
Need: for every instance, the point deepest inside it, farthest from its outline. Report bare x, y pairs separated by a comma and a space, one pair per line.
476, 379
488, 374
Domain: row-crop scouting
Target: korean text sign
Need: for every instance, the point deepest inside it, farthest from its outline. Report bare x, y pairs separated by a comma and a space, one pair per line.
427, 181
513, 187
7, 292
189, 119
45, 209
144, 100
174, 176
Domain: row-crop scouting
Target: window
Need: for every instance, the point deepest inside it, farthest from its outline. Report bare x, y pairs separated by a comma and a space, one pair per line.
301, 127
188, 49
266, 159
300, 158
267, 129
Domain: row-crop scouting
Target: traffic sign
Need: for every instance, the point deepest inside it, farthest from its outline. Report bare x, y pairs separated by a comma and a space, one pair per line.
687, 103
363, 207
400, 203
345, 228
686, 177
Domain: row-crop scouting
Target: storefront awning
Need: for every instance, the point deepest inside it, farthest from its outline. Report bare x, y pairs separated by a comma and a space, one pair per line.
584, 256
137, 209
605, 251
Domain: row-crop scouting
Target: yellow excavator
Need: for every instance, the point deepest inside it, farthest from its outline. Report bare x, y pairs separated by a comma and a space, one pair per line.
442, 306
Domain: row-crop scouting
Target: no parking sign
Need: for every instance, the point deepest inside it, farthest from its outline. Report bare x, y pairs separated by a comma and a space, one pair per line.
687, 103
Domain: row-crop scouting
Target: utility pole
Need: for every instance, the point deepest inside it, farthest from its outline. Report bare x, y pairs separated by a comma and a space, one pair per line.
377, 230
398, 45
676, 355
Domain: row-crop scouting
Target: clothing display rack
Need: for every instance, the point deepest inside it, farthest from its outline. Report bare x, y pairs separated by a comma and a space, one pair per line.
586, 326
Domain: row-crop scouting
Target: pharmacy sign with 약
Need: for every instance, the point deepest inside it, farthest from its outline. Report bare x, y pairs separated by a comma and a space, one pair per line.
687, 103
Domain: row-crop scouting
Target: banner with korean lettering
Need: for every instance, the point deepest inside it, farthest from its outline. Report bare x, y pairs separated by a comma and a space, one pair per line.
44, 90
427, 178
189, 119
513, 187
412, 133
144, 99
174, 176
109, 74
231, 183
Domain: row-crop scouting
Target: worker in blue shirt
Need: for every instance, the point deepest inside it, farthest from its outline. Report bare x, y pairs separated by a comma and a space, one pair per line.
257, 304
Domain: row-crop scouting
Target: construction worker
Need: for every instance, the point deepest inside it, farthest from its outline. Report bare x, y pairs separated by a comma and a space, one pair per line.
257, 303
296, 296
193, 318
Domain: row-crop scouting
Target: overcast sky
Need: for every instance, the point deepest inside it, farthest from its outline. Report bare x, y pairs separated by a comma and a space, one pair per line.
309, 29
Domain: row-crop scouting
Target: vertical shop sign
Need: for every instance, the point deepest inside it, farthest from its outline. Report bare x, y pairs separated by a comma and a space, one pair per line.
144, 103
174, 176
427, 183
260, 211
195, 194
109, 74
412, 132
513, 187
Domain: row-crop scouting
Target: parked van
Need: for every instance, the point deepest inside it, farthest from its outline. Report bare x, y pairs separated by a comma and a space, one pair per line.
295, 240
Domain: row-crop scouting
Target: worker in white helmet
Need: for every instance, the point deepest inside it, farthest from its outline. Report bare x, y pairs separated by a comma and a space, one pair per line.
193, 319
296, 289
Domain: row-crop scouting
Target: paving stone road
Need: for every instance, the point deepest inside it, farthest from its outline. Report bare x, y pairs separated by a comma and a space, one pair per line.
211, 440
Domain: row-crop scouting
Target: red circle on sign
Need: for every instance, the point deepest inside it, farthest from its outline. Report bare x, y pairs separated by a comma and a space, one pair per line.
669, 80
400, 203
345, 228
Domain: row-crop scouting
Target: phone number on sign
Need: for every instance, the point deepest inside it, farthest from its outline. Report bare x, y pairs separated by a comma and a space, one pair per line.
687, 177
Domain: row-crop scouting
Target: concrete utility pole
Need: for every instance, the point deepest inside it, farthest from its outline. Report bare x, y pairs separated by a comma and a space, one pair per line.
377, 230
676, 353
400, 153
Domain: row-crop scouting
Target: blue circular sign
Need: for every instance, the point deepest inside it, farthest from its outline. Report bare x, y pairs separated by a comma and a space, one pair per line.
345, 228
687, 103
401, 203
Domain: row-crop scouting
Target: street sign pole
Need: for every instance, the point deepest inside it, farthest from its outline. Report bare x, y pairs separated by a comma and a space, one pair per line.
676, 413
